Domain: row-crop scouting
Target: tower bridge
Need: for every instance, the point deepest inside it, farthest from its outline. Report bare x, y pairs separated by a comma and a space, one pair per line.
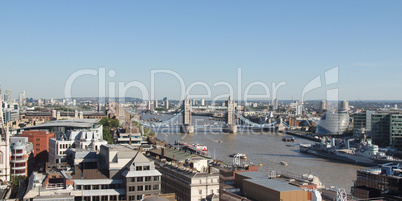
231, 124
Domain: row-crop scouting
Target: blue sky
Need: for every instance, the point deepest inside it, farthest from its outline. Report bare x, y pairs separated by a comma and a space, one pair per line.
44, 42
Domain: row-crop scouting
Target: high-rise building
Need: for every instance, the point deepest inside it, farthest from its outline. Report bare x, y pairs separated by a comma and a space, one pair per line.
345, 105
21, 98
275, 104
299, 109
40, 102
7, 96
149, 105
155, 104
362, 122
386, 129
323, 106
166, 103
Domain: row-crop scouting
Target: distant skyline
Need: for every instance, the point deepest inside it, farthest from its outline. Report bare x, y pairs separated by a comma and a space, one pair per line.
44, 42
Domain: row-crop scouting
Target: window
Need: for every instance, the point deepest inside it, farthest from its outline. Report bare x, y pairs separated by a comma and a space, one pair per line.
147, 178
104, 186
132, 197
156, 178
200, 192
87, 187
212, 191
146, 168
78, 187
140, 179
139, 197
131, 188
104, 198
140, 188
95, 187
212, 180
131, 179
138, 168
156, 187
148, 187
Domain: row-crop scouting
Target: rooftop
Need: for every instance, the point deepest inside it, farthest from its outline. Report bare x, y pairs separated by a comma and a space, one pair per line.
177, 154
76, 123
275, 184
253, 175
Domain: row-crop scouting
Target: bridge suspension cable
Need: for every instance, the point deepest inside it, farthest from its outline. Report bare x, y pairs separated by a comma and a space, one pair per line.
168, 121
245, 120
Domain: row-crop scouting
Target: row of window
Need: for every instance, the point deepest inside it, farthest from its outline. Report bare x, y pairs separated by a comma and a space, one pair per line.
64, 146
141, 188
133, 197
212, 181
18, 164
200, 191
18, 151
17, 157
97, 187
142, 179
18, 171
142, 168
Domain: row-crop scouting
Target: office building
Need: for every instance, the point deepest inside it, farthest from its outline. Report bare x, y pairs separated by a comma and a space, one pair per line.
149, 105
155, 104
166, 103
260, 187
323, 106
40, 141
334, 122
187, 175
386, 129
117, 173
344, 105
383, 183
362, 122
7, 96
275, 104
21, 156
21, 98
129, 135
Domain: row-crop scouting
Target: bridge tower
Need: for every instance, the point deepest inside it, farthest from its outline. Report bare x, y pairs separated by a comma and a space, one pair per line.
230, 117
186, 127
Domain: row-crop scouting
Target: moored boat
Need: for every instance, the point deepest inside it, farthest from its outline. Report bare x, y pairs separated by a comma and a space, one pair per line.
241, 156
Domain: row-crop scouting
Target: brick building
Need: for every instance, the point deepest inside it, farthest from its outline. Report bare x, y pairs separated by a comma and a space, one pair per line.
40, 141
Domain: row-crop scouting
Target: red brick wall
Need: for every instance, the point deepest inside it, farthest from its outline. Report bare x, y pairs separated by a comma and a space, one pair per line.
40, 141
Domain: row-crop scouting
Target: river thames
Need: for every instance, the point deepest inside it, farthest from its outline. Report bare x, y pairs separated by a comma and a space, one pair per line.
267, 149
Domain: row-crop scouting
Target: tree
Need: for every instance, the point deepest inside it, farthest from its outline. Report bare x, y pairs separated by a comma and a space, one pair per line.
108, 124
107, 135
